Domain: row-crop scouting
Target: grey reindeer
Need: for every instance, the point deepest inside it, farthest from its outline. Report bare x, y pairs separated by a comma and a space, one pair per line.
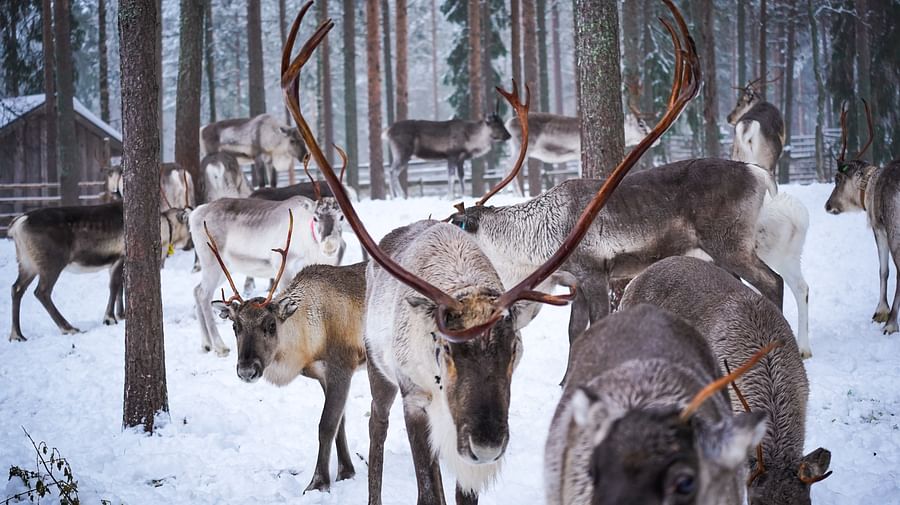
447, 335
736, 321
455, 140
860, 186
311, 328
80, 239
641, 420
758, 127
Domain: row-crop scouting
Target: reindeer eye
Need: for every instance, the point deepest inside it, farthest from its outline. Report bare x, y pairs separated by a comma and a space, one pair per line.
685, 484
271, 328
316, 219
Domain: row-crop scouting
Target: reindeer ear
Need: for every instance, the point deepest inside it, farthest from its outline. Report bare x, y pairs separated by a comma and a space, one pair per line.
285, 308
421, 304
226, 310
307, 203
732, 439
580, 405
814, 466
183, 216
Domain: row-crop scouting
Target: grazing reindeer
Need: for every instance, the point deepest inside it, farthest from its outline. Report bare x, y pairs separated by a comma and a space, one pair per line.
452, 353
224, 177
260, 139
784, 220
245, 229
79, 239
313, 328
455, 140
758, 127
736, 322
642, 419
176, 186
875, 191
557, 139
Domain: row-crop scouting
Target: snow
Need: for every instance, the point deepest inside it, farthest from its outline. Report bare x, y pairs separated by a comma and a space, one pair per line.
231, 442
15, 107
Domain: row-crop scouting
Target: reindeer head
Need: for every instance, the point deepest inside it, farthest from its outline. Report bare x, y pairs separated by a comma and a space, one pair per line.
114, 181
495, 125
792, 484
296, 147
748, 97
327, 223
852, 176
174, 230
256, 321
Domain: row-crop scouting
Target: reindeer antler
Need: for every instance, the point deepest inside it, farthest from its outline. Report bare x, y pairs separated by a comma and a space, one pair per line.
343, 156
760, 467
685, 87
713, 387
283, 252
522, 112
315, 184
871, 130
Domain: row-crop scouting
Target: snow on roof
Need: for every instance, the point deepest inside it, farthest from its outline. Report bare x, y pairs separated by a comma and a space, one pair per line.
15, 107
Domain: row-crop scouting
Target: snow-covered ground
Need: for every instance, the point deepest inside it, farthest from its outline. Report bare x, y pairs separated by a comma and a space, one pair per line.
231, 442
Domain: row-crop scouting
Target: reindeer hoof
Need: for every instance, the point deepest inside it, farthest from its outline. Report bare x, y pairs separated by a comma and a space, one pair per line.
805, 353
70, 330
890, 328
346, 473
205, 348
318, 484
109, 321
880, 316
223, 352
15, 337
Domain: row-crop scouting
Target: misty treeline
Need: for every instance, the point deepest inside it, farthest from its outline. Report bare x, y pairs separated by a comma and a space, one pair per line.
818, 53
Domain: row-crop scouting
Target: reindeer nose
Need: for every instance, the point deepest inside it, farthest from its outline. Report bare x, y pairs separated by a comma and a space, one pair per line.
249, 372
483, 454
831, 209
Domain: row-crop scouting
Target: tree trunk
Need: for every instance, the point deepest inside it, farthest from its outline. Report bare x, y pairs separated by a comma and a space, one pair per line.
599, 81
67, 154
388, 62
434, 72
631, 52
326, 112
864, 76
543, 66
708, 64
373, 65
282, 32
9, 14
820, 93
531, 64
741, 42
784, 174
402, 76
256, 82
762, 47
145, 364
558, 106
187, 103
350, 124
159, 79
49, 88
476, 87
104, 62
516, 55
209, 48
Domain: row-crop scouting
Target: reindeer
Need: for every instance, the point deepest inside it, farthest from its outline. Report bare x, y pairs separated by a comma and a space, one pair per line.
451, 354
243, 228
79, 239
784, 220
261, 140
455, 140
224, 177
176, 186
557, 139
311, 189
643, 418
859, 185
312, 328
735, 322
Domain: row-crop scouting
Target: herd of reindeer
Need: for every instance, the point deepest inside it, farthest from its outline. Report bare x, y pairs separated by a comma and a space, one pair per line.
645, 414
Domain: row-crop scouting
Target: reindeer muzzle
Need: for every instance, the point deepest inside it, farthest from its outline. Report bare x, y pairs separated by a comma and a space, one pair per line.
250, 372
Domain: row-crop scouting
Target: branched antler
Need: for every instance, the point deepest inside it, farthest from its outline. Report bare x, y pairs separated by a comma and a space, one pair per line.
215, 249
522, 112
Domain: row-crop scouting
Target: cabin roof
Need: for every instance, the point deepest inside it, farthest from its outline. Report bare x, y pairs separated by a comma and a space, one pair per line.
13, 108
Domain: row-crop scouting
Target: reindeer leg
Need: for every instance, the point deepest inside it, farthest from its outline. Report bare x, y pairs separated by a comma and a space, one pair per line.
465, 497
882, 311
428, 470
18, 289
591, 304
450, 180
115, 287
383, 394
752, 269
461, 174
891, 326
336, 386
43, 291
203, 295
793, 277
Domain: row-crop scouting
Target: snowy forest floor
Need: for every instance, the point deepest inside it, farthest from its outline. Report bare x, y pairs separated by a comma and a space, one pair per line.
231, 442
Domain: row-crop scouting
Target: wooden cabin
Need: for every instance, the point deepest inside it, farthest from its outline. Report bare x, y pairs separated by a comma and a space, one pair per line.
26, 180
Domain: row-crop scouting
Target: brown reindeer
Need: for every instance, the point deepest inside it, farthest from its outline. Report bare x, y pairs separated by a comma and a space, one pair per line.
312, 328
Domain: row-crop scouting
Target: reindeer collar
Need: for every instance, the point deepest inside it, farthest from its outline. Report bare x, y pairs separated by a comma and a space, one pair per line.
170, 250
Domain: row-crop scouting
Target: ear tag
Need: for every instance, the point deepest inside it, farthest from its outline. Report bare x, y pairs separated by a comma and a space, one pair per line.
171, 251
